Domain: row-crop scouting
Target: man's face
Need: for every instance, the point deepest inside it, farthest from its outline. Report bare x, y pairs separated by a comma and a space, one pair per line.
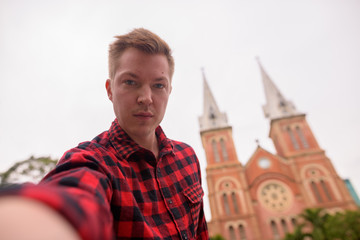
140, 91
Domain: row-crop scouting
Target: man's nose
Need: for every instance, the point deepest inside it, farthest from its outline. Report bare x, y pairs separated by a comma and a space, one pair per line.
145, 95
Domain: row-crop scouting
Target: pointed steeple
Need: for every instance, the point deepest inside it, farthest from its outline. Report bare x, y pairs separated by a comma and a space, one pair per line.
212, 118
276, 105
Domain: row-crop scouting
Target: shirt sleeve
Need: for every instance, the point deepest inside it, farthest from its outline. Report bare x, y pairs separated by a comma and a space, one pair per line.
80, 190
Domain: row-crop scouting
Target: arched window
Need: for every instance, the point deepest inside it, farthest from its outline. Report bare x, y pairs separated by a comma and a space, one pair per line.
232, 233
326, 190
293, 221
215, 150
242, 232
234, 201
223, 150
316, 191
293, 139
274, 229
284, 226
302, 137
226, 204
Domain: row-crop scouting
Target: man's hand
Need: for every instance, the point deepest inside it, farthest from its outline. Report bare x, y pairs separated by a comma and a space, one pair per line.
25, 219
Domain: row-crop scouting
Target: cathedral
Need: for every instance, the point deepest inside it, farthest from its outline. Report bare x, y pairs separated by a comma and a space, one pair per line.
262, 199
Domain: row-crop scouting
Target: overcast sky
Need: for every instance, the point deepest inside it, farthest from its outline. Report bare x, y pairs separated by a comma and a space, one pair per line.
53, 67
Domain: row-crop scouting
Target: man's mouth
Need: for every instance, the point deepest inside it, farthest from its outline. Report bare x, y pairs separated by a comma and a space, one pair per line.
143, 115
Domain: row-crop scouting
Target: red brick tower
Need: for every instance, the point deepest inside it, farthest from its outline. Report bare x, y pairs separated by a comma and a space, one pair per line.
293, 139
230, 204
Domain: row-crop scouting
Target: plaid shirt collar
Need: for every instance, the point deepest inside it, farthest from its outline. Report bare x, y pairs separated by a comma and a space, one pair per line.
125, 146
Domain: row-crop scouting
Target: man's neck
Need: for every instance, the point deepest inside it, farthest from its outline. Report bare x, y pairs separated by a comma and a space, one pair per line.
150, 143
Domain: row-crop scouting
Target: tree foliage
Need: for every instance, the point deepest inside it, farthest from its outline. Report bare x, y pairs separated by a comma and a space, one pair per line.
323, 226
217, 237
30, 170
344, 225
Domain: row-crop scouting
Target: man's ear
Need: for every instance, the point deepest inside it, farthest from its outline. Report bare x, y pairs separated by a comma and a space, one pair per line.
108, 89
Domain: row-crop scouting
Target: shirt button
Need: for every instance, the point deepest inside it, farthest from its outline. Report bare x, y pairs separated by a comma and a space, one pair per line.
170, 201
185, 236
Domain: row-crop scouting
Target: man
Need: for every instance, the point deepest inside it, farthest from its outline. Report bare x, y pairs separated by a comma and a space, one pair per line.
130, 182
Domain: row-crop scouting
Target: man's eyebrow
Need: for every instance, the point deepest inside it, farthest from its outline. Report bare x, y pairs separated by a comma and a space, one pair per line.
131, 74
160, 79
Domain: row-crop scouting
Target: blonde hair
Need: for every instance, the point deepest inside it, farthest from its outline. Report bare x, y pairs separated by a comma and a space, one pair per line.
143, 40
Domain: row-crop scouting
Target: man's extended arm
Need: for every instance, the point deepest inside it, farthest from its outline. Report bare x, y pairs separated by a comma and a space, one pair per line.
23, 218
78, 190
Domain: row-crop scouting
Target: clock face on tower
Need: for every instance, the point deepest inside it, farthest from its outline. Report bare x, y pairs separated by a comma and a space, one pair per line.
264, 163
275, 196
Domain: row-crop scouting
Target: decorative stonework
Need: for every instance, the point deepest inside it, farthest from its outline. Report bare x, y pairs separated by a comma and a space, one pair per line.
275, 196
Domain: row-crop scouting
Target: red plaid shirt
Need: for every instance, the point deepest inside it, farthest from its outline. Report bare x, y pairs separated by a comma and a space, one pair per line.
111, 188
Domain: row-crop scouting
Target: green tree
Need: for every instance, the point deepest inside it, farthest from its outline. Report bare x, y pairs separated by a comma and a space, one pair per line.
217, 237
317, 218
298, 234
30, 170
345, 225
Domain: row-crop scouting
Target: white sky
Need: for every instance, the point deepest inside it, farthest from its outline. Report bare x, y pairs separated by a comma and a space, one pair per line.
53, 67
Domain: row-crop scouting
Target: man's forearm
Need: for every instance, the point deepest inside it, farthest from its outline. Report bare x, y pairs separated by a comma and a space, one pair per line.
23, 218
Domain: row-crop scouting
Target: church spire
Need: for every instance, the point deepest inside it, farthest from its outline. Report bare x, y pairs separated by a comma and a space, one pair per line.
276, 105
212, 118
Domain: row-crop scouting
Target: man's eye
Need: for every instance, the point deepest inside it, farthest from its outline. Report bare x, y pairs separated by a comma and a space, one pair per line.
130, 82
159, 85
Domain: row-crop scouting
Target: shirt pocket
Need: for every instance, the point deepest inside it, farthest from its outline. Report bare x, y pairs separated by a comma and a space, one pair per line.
194, 195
